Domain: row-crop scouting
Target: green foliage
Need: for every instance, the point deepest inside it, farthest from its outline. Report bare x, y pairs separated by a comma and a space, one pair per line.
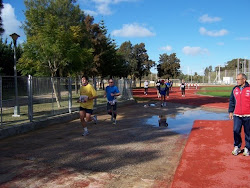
107, 61
7, 57
232, 65
136, 60
169, 66
207, 70
55, 39
126, 54
140, 61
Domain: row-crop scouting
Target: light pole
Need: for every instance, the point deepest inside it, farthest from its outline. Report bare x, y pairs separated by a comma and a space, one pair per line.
191, 77
15, 36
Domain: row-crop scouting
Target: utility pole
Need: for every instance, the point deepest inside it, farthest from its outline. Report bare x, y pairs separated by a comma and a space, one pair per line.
191, 77
245, 66
219, 80
209, 74
203, 75
238, 66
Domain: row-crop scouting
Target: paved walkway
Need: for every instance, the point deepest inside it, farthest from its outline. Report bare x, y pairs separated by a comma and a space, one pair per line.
131, 154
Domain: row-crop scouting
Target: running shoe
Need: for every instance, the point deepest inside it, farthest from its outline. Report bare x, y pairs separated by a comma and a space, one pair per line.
85, 133
114, 122
95, 119
236, 150
246, 152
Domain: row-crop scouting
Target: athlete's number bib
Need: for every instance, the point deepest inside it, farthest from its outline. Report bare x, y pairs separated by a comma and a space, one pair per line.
112, 102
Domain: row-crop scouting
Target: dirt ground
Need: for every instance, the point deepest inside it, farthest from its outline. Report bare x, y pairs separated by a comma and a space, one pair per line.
129, 154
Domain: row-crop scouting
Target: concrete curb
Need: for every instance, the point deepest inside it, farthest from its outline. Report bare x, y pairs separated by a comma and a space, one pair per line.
8, 131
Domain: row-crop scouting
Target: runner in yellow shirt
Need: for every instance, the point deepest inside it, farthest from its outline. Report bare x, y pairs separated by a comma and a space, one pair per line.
87, 95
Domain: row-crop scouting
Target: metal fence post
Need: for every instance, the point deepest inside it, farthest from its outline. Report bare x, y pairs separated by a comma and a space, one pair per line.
1, 98
52, 82
70, 93
95, 100
124, 89
30, 98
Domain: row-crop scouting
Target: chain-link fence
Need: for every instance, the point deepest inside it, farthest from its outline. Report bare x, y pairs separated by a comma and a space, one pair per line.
219, 77
227, 77
36, 98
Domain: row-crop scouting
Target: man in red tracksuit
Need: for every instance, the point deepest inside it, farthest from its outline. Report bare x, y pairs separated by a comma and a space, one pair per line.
239, 111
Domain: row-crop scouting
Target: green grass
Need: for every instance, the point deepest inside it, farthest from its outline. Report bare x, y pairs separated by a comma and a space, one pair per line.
219, 91
218, 88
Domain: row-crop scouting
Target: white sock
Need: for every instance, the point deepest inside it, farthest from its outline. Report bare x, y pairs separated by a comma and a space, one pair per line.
85, 129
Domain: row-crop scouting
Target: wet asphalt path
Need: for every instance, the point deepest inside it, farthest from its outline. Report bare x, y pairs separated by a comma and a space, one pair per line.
133, 153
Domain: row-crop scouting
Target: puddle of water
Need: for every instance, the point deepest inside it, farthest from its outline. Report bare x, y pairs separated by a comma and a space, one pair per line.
182, 123
148, 105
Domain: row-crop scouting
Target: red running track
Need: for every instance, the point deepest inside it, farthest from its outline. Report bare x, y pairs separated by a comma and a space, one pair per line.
207, 160
191, 98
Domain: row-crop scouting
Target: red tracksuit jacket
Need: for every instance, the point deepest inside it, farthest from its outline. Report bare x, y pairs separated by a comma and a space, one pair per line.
239, 102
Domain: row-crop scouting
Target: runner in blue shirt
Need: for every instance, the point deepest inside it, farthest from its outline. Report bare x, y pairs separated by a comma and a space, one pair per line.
162, 90
111, 92
168, 84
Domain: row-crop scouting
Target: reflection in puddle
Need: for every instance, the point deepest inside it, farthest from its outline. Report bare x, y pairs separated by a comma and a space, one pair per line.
147, 105
182, 123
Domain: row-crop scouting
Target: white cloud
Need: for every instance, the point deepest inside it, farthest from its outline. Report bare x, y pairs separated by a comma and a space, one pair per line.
220, 43
132, 30
206, 19
10, 22
90, 12
103, 6
219, 33
166, 48
243, 38
193, 51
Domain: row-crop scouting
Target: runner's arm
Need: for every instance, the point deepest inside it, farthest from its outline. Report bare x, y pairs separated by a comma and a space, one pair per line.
231, 105
116, 93
105, 94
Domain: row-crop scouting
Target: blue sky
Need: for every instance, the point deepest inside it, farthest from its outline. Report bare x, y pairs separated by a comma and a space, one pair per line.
200, 32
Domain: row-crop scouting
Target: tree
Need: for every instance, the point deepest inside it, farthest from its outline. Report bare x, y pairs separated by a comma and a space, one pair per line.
169, 66
1, 24
55, 39
232, 65
107, 61
126, 51
97, 38
7, 57
136, 59
142, 64
207, 70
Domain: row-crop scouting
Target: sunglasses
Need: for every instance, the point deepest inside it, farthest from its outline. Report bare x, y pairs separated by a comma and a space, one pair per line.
110, 82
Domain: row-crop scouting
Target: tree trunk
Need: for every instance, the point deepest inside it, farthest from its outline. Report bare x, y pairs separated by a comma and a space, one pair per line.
56, 95
102, 84
134, 82
58, 87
